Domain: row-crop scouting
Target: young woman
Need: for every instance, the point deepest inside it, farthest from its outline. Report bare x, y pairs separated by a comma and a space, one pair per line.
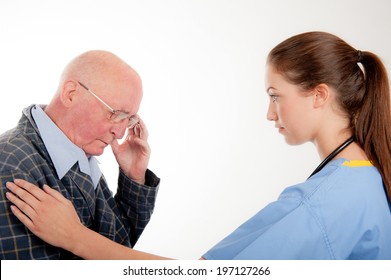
321, 90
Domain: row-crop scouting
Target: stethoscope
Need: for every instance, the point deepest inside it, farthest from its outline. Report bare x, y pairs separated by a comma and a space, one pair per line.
332, 155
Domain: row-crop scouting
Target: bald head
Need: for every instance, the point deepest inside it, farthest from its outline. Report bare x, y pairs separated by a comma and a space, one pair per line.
80, 114
102, 72
98, 66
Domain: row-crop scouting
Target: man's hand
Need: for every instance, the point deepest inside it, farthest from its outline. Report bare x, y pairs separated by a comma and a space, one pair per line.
133, 154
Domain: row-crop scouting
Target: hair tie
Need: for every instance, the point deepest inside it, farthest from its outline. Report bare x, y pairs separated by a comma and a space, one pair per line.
359, 56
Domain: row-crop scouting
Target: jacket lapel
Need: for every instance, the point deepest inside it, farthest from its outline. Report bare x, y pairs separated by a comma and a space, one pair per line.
85, 186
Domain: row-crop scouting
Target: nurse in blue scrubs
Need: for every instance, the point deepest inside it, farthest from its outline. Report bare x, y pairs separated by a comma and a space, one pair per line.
326, 92
323, 91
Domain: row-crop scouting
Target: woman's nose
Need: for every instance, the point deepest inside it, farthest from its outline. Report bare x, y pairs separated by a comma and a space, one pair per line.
271, 114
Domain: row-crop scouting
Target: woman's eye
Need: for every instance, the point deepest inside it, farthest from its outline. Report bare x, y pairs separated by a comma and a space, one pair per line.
273, 98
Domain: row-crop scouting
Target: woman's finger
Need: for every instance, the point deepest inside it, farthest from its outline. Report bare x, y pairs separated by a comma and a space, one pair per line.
23, 218
27, 210
24, 195
30, 188
52, 192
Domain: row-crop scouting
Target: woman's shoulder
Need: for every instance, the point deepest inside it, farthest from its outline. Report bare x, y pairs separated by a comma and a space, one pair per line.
340, 179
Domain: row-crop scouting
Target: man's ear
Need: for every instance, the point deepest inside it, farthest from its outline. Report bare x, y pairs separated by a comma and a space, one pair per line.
68, 92
321, 95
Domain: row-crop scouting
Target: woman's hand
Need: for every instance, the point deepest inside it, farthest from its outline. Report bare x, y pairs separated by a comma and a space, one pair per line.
50, 216
46, 213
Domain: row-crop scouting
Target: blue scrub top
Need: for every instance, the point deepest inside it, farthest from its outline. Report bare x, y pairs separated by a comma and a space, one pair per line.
340, 213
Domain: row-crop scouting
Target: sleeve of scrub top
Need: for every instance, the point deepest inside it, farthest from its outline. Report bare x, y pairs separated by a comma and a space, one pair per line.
285, 229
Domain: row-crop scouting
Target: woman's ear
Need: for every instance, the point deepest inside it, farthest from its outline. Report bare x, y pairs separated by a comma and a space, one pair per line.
68, 92
321, 95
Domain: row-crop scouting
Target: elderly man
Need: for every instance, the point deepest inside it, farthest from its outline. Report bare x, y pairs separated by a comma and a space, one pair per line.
96, 103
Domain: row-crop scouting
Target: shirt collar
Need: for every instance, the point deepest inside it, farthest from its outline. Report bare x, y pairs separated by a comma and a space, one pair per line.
63, 152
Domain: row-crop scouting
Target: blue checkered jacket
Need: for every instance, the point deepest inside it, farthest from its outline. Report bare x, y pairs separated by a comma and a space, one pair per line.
121, 218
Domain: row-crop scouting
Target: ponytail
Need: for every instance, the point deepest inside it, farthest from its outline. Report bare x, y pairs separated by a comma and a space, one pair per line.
372, 126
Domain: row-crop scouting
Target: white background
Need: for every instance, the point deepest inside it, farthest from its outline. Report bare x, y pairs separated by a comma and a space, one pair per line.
202, 65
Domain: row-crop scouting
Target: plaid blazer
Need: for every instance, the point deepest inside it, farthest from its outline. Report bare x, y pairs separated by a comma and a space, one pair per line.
121, 218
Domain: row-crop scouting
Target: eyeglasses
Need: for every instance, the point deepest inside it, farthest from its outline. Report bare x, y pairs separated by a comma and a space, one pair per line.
117, 116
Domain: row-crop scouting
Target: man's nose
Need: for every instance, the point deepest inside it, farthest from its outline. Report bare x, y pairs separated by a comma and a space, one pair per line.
118, 130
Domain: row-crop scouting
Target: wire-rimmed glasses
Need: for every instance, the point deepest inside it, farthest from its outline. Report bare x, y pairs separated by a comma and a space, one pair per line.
117, 116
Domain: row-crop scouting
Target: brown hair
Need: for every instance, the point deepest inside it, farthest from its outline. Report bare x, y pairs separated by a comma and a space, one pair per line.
312, 58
